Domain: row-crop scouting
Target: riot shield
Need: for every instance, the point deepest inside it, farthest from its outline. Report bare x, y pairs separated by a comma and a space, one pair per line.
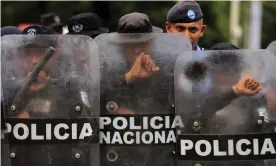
222, 101
271, 91
137, 98
272, 47
51, 96
271, 96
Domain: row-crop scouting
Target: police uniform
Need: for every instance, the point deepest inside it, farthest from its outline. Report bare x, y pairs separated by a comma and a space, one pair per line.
198, 48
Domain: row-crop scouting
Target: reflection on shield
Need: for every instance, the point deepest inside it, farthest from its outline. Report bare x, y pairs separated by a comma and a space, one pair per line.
147, 97
272, 47
51, 103
216, 119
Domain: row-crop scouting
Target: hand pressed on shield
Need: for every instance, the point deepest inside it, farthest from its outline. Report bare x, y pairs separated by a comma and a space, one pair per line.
143, 67
246, 86
125, 111
40, 83
23, 115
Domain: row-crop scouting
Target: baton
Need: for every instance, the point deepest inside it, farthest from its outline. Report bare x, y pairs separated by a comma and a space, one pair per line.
34, 74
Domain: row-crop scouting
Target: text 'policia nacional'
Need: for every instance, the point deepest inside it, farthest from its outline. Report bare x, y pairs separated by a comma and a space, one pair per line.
116, 130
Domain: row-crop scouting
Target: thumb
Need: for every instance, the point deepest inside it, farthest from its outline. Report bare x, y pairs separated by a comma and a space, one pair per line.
156, 69
139, 60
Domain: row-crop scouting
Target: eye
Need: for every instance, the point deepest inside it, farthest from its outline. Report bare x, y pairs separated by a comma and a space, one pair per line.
180, 28
193, 29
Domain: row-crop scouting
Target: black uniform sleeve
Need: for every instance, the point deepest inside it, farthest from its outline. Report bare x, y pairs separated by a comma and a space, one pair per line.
217, 102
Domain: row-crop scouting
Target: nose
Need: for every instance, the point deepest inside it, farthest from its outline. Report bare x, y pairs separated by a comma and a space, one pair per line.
34, 60
186, 32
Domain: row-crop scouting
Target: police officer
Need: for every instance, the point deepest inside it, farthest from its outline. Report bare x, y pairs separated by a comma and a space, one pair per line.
218, 109
29, 105
51, 95
135, 49
134, 91
186, 18
7, 30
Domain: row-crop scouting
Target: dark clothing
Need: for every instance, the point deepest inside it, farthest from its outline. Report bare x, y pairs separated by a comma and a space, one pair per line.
154, 95
223, 113
56, 100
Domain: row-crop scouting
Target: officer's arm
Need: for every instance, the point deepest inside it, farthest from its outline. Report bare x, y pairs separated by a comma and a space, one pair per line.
217, 102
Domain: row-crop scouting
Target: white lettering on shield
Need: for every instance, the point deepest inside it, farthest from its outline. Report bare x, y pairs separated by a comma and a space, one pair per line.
242, 147
21, 131
139, 130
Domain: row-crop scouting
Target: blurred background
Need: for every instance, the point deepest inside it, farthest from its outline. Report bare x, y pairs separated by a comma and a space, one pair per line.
248, 24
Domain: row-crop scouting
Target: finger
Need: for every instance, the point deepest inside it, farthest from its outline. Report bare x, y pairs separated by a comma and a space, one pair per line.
138, 61
156, 69
258, 83
147, 62
150, 66
246, 81
253, 85
244, 78
257, 90
247, 77
249, 82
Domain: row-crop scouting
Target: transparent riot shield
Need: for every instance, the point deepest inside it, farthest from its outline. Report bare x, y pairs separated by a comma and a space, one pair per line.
271, 96
51, 96
272, 47
137, 98
221, 97
271, 90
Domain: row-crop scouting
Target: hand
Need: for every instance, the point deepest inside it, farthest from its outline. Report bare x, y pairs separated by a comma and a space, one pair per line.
143, 67
246, 86
23, 115
40, 83
125, 111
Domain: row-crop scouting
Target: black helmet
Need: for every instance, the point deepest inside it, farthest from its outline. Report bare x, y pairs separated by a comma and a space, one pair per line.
44, 37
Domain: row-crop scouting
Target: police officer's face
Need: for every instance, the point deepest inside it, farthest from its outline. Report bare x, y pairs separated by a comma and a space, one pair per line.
132, 51
34, 55
193, 30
